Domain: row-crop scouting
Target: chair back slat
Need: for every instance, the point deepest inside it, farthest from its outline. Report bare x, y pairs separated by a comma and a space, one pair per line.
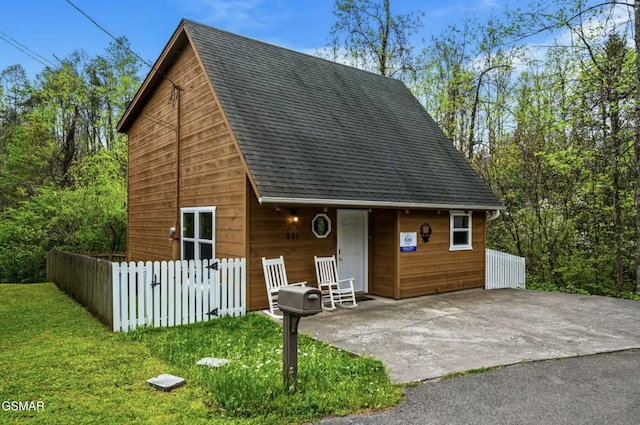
274, 272
334, 291
326, 269
275, 277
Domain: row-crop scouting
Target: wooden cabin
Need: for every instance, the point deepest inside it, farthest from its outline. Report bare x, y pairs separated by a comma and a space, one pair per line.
239, 148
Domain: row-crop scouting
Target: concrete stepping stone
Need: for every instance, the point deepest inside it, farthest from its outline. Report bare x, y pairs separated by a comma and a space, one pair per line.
166, 382
212, 362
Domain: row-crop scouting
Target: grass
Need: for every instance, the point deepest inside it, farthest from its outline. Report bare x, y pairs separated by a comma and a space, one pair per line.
454, 375
54, 351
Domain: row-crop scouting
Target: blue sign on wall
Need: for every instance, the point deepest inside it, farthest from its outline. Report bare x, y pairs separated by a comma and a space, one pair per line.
408, 241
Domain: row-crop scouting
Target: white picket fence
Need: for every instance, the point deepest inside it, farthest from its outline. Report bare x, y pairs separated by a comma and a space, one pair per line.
504, 270
172, 293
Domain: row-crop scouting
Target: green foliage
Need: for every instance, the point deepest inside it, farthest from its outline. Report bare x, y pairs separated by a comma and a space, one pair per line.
629, 296
331, 381
89, 217
564, 179
551, 130
62, 166
537, 285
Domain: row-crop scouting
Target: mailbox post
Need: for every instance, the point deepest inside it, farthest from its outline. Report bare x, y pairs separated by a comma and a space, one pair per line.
290, 351
295, 302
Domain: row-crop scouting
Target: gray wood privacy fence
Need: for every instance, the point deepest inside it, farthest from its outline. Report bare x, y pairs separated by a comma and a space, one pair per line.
114, 257
169, 293
88, 280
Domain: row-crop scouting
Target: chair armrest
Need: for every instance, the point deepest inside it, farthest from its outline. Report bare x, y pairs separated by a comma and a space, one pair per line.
345, 284
298, 283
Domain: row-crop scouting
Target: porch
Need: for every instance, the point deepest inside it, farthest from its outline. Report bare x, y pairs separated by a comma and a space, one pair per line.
428, 337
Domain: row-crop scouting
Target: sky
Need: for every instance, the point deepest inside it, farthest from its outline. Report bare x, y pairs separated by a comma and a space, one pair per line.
54, 29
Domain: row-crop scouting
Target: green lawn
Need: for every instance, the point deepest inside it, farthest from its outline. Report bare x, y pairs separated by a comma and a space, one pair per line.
54, 351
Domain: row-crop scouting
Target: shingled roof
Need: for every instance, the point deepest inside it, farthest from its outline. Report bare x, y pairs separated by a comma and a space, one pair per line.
314, 131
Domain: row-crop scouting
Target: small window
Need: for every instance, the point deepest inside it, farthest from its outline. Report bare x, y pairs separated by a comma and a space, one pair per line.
460, 228
321, 225
198, 233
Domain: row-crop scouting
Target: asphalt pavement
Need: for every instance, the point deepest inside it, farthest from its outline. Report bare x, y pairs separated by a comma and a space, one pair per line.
591, 390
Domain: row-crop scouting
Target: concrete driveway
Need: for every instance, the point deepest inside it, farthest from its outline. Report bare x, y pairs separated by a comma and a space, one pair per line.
428, 337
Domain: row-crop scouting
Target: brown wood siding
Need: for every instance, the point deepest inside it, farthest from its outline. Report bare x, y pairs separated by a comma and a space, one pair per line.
211, 170
151, 178
382, 279
432, 268
270, 235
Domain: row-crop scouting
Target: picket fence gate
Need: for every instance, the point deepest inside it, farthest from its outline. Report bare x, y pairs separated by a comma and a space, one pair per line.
504, 270
172, 293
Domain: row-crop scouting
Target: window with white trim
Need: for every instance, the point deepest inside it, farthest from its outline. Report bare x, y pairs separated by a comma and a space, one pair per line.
460, 230
198, 236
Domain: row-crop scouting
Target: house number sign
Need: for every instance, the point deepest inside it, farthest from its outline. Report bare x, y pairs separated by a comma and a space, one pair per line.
321, 225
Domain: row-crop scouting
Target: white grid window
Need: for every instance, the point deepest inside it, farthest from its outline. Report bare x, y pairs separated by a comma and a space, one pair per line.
460, 230
198, 234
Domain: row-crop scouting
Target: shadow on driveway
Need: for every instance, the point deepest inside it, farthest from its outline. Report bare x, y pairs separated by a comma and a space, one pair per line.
428, 337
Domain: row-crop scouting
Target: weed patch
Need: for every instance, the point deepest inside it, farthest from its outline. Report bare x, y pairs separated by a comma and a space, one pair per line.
453, 375
54, 351
330, 381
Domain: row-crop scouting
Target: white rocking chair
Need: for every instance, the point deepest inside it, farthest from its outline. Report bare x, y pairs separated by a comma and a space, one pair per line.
334, 290
275, 277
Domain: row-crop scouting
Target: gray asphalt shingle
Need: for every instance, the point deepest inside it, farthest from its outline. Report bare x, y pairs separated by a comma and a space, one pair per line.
314, 129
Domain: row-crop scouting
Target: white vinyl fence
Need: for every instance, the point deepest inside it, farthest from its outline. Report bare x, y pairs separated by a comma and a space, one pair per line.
504, 270
172, 293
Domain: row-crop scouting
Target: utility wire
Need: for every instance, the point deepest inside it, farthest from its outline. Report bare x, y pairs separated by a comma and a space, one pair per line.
24, 49
561, 23
117, 40
154, 119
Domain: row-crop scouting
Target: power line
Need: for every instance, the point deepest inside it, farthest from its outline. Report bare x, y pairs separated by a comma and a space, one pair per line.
119, 41
24, 49
559, 24
154, 119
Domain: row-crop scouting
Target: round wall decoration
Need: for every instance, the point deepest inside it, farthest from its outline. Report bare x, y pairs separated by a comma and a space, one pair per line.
321, 225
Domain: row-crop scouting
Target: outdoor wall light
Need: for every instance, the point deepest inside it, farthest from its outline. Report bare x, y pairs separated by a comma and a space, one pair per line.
294, 217
172, 231
425, 232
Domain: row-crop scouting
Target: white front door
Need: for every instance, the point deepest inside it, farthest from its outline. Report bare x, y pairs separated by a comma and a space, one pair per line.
352, 247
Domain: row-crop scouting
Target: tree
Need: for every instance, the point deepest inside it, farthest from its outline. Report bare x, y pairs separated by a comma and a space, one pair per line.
615, 91
597, 115
445, 81
636, 8
464, 78
62, 165
15, 93
14, 96
369, 36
